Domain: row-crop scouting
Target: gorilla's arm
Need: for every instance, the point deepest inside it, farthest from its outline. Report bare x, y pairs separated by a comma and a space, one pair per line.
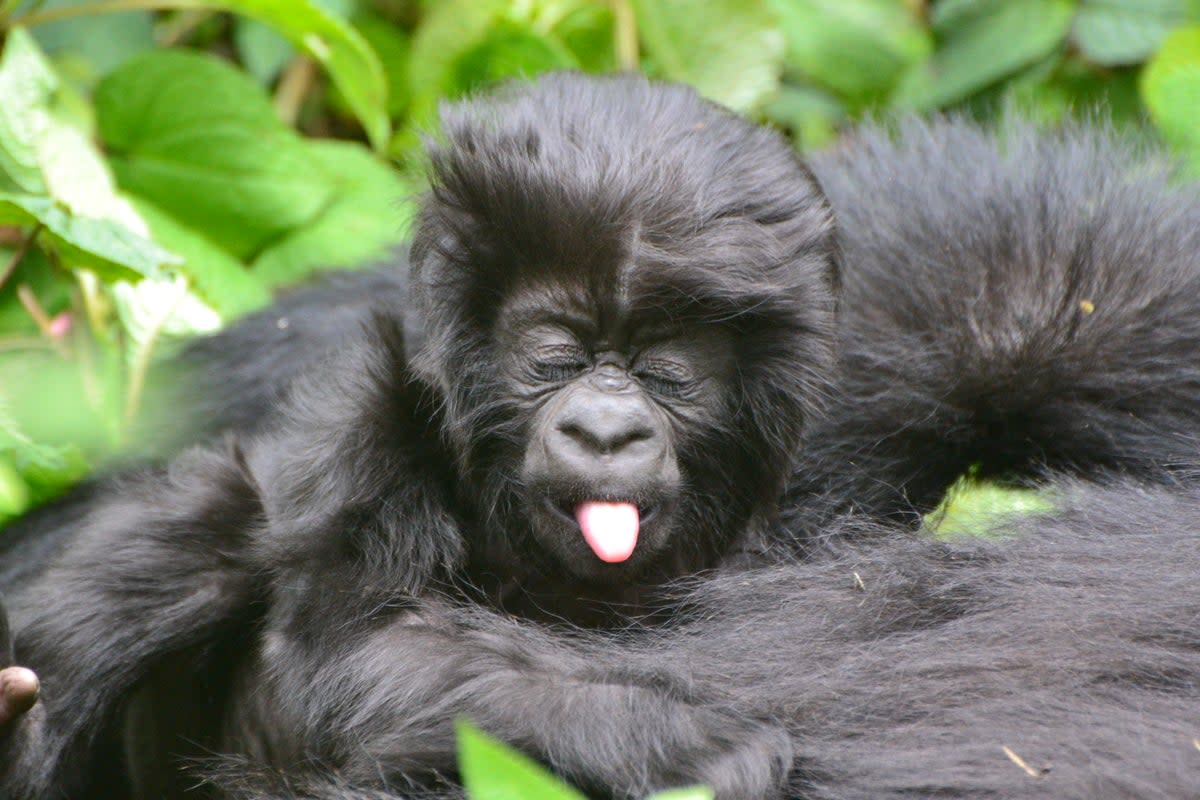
569, 701
907, 666
155, 570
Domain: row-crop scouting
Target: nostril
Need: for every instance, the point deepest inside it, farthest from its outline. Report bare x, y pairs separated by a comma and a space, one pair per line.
578, 434
605, 436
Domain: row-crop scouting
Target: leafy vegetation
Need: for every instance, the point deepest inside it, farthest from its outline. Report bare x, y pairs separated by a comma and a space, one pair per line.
492, 770
166, 164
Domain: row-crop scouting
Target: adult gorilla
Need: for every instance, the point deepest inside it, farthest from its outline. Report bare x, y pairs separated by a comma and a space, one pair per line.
627, 303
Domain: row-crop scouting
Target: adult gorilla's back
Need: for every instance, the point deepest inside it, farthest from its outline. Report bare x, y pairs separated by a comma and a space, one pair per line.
1015, 304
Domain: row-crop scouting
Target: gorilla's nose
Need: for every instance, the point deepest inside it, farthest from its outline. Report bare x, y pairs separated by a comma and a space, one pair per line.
618, 428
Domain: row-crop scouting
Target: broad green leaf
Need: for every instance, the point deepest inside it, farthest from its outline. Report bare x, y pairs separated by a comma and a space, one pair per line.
105, 245
1114, 32
367, 217
332, 43
730, 50
981, 42
200, 140
1171, 87
493, 771
858, 48
218, 278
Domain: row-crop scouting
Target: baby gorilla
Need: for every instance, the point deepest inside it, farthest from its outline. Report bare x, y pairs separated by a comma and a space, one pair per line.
626, 298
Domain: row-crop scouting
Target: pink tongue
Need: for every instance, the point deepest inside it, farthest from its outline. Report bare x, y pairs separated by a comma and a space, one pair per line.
610, 529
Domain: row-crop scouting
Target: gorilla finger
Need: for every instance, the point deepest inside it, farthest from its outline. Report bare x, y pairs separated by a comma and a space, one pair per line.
19, 689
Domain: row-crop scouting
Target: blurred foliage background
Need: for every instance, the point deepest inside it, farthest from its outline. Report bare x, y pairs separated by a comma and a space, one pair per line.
166, 164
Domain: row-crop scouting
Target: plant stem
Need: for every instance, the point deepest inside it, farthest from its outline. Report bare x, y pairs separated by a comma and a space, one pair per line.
625, 34
19, 255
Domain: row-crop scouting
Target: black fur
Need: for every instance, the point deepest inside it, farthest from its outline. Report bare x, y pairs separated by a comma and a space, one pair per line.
251, 610
321, 595
1020, 303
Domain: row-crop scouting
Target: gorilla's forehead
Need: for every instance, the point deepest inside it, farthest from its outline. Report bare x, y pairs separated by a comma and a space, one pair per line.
611, 306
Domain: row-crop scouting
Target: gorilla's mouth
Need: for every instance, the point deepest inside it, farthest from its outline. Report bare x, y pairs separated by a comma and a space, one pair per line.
610, 527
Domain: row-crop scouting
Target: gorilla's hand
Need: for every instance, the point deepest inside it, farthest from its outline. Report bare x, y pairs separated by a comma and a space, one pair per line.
18, 686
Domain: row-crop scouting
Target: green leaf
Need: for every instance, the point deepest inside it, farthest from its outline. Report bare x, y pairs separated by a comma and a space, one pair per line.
107, 246
1171, 87
973, 506
218, 278
449, 29
332, 43
811, 114
154, 307
31, 472
857, 48
1072, 89
51, 403
262, 51
201, 141
493, 771
27, 84
1115, 32
730, 50
393, 48
47, 153
587, 32
509, 49
14, 492
458, 39
983, 41
367, 217
688, 793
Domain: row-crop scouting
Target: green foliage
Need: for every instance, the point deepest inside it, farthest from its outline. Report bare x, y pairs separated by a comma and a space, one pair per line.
974, 505
731, 50
1171, 84
492, 770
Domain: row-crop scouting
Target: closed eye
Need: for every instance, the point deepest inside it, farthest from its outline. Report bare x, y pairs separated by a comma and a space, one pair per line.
553, 363
666, 378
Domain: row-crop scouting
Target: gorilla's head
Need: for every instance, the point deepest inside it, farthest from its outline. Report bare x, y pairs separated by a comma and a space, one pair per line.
628, 294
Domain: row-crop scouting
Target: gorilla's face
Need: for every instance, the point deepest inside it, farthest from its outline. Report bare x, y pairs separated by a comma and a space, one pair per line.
628, 317
610, 399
